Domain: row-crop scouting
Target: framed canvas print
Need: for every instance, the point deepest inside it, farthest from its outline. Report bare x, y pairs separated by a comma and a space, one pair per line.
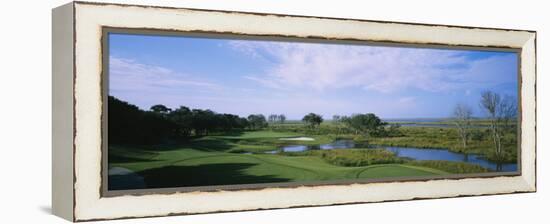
163, 111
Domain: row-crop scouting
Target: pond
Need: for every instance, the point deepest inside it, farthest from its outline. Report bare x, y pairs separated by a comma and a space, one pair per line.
338, 144
409, 152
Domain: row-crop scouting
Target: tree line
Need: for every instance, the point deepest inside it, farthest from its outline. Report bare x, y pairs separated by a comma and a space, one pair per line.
276, 118
131, 125
367, 124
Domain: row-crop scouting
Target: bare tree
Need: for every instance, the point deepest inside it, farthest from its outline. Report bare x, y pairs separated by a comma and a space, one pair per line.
463, 119
490, 103
501, 112
508, 111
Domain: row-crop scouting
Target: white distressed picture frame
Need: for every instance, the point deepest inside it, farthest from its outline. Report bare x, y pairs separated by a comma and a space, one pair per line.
77, 110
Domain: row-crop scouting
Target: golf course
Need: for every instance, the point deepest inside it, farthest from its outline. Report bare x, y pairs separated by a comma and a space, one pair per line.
289, 151
212, 161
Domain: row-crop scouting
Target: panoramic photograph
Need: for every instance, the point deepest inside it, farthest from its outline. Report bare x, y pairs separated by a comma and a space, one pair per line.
190, 111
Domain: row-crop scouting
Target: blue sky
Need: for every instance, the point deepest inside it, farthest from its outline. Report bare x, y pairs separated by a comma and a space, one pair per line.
247, 77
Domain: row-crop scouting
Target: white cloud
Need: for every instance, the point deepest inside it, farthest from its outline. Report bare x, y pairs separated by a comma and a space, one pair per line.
127, 74
296, 79
145, 84
381, 69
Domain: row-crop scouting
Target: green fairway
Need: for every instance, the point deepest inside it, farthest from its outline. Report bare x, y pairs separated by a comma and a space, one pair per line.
252, 141
251, 157
190, 167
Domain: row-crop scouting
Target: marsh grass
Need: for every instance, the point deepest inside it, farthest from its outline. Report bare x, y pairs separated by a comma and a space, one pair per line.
448, 138
352, 157
450, 167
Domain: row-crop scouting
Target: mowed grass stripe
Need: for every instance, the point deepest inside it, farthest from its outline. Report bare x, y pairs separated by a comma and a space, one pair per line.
263, 165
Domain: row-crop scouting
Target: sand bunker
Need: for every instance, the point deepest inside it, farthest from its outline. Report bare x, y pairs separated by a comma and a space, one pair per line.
298, 139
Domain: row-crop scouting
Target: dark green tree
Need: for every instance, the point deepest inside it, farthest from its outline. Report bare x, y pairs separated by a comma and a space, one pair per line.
130, 125
183, 118
257, 121
368, 124
272, 118
312, 120
159, 108
281, 118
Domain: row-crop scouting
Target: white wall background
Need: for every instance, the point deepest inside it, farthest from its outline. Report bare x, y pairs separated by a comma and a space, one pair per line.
25, 112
